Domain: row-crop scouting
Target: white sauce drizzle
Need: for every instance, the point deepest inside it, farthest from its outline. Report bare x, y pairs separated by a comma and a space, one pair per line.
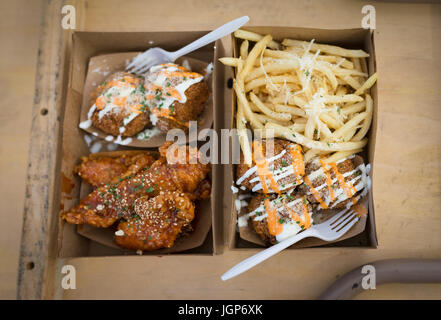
112, 146
252, 170
87, 123
186, 65
88, 139
290, 227
166, 89
208, 70
96, 147
148, 133
133, 96
121, 141
240, 203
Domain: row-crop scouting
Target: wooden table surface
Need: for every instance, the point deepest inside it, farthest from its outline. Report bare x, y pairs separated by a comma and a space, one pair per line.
407, 172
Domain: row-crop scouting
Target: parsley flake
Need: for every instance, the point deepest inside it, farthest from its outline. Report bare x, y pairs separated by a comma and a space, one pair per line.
149, 190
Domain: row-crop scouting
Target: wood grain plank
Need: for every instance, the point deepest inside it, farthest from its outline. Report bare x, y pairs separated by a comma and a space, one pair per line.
37, 244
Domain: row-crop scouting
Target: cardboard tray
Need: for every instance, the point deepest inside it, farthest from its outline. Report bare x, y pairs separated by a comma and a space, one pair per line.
77, 143
363, 233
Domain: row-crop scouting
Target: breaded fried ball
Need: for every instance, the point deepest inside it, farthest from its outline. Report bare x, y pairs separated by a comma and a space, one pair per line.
325, 190
120, 107
197, 95
286, 170
175, 96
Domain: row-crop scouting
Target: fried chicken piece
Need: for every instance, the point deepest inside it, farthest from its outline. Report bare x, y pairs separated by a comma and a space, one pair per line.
102, 170
157, 223
106, 204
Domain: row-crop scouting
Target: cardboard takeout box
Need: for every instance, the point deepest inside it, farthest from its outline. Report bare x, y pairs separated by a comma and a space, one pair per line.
363, 234
76, 143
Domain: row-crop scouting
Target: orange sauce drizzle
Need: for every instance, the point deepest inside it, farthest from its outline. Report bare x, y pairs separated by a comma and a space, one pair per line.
274, 227
174, 93
306, 222
263, 171
315, 193
128, 82
294, 216
171, 91
165, 113
187, 74
100, 102
118, 101
328, 180
360, 209
298, 164
350, 190
136, 109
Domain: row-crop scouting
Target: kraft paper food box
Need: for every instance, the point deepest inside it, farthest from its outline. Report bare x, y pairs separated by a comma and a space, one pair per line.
93, 56
363, 234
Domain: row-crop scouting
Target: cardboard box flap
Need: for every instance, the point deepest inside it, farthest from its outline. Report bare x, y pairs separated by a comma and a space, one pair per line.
201, 226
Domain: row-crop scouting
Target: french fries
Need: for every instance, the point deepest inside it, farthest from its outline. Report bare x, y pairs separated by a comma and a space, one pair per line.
316, 95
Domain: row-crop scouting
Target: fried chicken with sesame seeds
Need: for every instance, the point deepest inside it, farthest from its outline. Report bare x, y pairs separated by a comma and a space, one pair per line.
99, 170
157, 222
106, 204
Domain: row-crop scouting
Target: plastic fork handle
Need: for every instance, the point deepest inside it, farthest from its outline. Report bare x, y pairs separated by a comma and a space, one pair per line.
264, 254
214, 35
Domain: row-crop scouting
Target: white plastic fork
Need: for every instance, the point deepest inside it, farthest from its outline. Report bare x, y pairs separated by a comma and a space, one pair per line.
329, 230
155, 56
